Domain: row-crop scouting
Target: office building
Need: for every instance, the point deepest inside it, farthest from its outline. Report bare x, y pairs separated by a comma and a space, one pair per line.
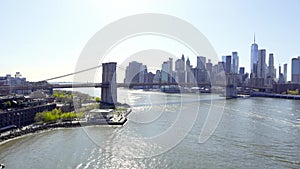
242, 70
285, 72
235, 62
201, 61
280, 77
228, 64
189, 75
167, 71
296, 70
135, 72
200, 75
261, 64
221, 67
254, 56
224, 59
180, 70
10, 81
271, 70
209, 66
143, 74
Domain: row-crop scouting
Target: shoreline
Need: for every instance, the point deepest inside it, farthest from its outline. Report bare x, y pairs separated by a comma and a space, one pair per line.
34, 133
36, 128
32, 129
274, 95
13, 135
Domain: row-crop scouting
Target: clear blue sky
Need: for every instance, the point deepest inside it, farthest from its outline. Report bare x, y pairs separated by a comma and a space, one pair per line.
43, 39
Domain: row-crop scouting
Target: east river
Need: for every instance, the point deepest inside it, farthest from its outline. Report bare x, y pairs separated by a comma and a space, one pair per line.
171, 131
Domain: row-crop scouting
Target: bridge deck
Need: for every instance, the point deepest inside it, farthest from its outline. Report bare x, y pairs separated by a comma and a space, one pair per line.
98, 85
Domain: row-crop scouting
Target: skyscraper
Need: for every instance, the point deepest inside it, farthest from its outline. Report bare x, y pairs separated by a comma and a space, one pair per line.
254, 55
271, 70
143, 73
285, 72
279, 70
189, 76
209, 66
228, 64
242, 70
188, 62
221, 67
280, 77
167, 71
134, 72
235, 62
180, 70
201, 61
296, 70
224, 59
261, 64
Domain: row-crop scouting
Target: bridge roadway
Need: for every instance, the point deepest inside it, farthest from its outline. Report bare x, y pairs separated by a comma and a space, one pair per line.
99, 85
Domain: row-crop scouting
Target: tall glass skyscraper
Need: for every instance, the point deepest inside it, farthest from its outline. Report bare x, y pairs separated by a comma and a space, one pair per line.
201, 61
167, 71
271, 68
296, 70
285, 72
228, 64
261, 64
254, 55
235, 62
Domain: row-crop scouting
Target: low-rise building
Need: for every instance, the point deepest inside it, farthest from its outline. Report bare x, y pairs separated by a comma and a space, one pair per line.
20, 111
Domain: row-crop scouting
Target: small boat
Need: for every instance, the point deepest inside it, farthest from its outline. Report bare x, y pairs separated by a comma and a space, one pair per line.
2, 166
173, 89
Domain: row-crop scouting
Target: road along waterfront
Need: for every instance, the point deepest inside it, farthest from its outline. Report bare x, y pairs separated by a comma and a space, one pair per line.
253, 133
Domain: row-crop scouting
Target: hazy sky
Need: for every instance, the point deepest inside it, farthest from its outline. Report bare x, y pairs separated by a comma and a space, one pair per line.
42, 39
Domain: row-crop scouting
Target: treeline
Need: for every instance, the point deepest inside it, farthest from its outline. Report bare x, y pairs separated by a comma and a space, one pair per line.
55, 115
64, 96
292, 92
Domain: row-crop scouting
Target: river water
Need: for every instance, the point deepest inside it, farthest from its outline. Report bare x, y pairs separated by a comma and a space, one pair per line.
164, 131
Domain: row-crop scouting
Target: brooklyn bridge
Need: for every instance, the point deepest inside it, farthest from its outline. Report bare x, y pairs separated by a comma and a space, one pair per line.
109, 84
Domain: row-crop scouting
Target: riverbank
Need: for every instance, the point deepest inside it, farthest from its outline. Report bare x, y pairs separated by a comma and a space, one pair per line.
36, 128
273, 95
45, 127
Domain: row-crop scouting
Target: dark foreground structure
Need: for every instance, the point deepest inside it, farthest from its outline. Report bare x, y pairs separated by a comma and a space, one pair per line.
20, 111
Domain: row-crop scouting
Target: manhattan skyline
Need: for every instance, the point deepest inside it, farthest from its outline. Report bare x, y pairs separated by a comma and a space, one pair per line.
44, 39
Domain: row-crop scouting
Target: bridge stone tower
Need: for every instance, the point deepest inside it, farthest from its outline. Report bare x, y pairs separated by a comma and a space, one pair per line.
109, 86
231, 84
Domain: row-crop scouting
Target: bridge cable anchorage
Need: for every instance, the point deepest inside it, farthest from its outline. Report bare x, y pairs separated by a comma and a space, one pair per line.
81, 71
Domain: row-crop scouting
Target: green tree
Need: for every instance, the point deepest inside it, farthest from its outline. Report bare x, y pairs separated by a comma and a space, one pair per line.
56, 112
98, 99
8, 103
49, 117
39, 117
